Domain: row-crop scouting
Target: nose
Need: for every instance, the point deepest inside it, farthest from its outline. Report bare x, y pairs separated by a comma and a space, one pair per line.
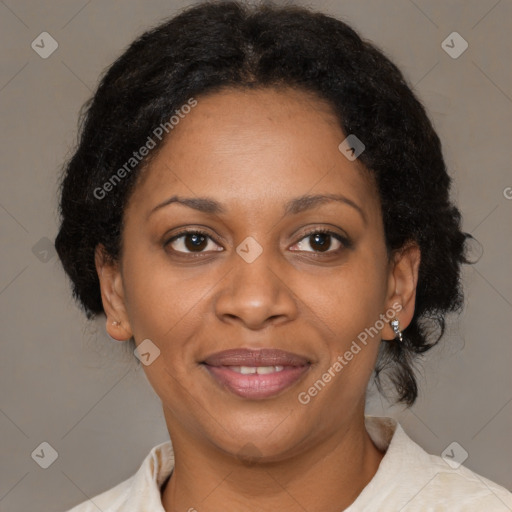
257, 293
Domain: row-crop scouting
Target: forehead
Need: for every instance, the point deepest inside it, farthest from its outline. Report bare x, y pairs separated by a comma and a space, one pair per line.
246, 146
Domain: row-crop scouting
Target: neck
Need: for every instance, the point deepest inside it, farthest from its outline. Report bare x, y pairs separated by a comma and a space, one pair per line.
326, 477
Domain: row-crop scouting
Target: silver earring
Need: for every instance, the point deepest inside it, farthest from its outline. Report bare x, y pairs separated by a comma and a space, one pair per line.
396, 328
116, 323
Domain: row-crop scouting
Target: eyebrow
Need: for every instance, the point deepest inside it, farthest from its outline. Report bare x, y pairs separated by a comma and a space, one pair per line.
292, 207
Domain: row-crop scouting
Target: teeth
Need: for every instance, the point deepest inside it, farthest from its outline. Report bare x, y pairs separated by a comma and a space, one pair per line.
247, 370
260, 370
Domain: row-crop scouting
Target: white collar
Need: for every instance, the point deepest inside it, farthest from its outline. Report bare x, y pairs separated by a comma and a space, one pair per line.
408, 478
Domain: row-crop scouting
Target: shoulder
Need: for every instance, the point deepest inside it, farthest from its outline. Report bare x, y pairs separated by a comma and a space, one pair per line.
410, 479
457, 488
139, 492
107, 501
443, 483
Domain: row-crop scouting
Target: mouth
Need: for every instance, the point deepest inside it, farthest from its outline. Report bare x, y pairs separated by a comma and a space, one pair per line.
256, 374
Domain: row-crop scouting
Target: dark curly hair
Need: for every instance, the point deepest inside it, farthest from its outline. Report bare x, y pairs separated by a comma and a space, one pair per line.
214, 45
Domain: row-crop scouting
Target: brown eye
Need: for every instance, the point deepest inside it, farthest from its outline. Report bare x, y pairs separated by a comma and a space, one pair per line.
191, 242
321, 241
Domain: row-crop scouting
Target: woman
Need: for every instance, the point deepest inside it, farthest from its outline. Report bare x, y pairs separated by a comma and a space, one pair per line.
260, 205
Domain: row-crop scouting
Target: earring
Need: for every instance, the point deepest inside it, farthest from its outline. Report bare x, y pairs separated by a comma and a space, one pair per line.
116, 323
396, 328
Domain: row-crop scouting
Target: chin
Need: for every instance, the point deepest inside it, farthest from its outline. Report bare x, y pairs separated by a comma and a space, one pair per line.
261, 440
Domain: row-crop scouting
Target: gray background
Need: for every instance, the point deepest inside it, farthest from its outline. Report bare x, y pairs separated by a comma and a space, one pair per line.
63, 381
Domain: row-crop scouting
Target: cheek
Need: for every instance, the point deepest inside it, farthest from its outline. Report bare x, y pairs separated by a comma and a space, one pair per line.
351, 298
159, 301
162, 305
350, 304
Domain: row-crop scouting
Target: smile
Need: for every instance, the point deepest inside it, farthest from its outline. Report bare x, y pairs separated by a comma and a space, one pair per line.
260, 370
256, 374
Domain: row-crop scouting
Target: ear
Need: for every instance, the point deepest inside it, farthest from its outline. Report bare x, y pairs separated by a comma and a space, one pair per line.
112, 295
402, 282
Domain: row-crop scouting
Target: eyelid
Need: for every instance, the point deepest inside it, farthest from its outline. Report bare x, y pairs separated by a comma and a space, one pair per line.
328, 230
189, 231
193, 230
342, 238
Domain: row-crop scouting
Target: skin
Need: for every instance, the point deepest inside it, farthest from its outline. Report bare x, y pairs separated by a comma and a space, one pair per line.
253, 151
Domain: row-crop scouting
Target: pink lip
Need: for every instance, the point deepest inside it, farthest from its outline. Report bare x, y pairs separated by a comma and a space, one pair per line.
259, 357
256, 386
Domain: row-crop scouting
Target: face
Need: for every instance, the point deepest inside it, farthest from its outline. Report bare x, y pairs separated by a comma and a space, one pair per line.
251, 263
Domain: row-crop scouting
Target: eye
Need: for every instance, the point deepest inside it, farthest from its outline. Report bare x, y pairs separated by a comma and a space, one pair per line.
321, 241
318, 241
191, 241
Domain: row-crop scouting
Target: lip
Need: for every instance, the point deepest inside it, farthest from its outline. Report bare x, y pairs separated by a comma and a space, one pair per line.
256, 386
255, 357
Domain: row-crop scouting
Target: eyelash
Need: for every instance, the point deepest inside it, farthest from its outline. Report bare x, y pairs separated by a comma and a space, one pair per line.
345, 242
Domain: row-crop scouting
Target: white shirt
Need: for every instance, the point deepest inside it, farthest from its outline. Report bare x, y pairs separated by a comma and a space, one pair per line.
408, 479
